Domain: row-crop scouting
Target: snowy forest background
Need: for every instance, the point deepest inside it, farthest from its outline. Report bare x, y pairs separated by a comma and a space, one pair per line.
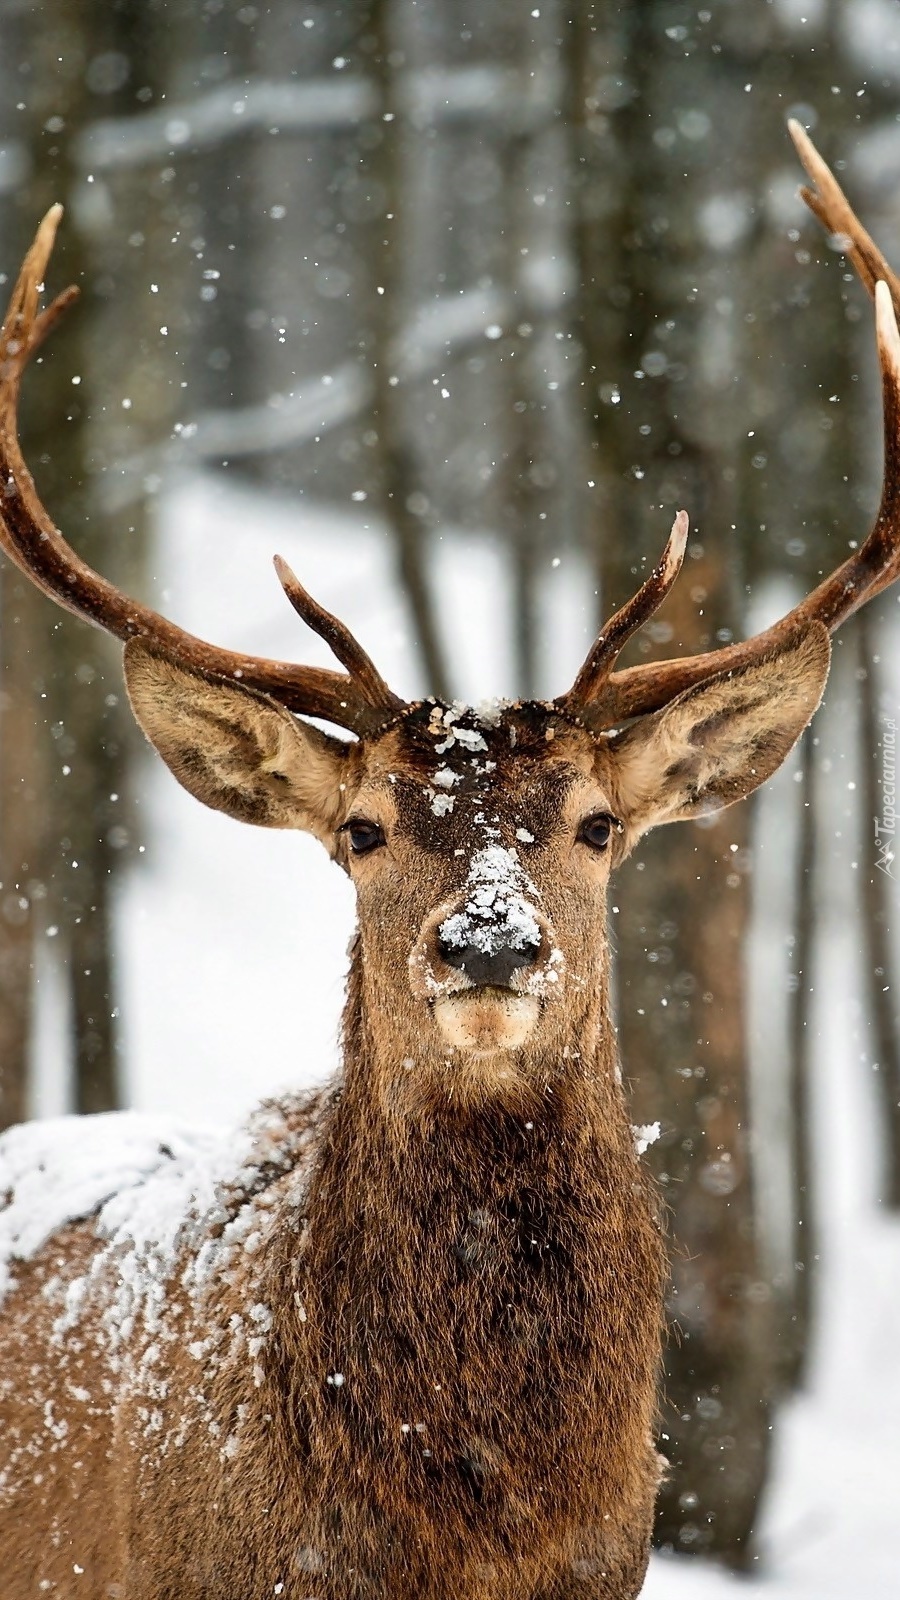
454, 305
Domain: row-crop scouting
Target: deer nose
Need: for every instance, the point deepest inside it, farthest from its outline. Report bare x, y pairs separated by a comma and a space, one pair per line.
490, 962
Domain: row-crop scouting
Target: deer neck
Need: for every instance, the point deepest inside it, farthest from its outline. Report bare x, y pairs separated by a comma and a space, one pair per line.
399, 1074
468, 1234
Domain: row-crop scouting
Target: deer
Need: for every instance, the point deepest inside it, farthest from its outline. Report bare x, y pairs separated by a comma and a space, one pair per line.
398, 1336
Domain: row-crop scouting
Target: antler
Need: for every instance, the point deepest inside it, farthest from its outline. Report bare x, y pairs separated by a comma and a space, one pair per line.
608, 646
600, 697
359, 701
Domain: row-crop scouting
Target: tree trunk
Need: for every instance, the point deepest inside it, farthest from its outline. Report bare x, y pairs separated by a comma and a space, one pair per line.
63, 758
406, 501
878, 731
681, 909
804, 1253
22, 627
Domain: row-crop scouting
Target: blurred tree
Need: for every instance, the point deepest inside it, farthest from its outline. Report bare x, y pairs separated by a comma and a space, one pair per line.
407, 502
685, 295
684, 902
64, 831
796, 1298
878, 760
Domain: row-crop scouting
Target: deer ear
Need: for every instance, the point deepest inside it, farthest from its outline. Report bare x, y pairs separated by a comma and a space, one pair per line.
235, 749
717, 742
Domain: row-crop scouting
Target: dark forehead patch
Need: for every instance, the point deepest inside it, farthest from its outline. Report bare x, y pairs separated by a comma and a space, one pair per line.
461, 780
520, 728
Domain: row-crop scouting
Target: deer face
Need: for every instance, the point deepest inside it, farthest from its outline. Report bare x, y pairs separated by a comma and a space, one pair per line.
480, 846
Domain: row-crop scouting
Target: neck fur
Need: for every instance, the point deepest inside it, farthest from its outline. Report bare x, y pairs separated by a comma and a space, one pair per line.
398, 1070
478, 1283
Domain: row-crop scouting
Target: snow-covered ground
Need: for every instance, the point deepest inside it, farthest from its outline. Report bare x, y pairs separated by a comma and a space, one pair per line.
233, 947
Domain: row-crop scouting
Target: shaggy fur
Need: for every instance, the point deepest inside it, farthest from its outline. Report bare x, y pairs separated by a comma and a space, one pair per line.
408, 1348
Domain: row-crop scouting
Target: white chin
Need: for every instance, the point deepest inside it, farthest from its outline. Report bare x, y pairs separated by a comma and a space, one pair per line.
485, 1021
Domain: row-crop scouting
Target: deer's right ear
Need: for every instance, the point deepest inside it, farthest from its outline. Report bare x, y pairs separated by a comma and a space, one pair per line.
237, 750
718, 741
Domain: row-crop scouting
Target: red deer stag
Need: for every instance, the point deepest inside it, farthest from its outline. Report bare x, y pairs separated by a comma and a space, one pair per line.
399, 1337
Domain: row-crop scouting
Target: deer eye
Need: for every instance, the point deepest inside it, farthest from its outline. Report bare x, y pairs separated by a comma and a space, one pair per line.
595, 830
364, 836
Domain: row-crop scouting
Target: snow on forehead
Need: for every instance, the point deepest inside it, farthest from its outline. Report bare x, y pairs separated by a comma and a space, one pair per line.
478, 753
460, 732
445, 725
454, 738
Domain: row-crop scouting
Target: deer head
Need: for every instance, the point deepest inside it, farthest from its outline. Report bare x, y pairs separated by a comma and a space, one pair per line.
480, 844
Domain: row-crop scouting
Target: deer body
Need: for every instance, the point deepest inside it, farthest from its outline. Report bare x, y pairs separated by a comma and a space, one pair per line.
401, 1343
408, 1348
482, 1441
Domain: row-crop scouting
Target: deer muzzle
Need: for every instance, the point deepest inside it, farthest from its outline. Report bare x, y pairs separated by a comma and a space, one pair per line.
488, 958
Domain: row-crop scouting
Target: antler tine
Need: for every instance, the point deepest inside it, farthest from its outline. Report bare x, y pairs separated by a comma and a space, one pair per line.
360, 702
867, 571
339, 639
608, 646
22, 312
829, 203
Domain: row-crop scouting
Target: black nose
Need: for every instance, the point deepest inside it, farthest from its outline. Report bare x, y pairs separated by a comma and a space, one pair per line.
493, 967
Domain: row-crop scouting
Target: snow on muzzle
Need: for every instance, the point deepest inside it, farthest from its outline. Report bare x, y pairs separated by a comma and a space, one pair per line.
491, 936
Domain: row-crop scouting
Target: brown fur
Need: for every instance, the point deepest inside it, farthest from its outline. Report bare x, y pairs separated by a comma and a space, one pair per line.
410, 1350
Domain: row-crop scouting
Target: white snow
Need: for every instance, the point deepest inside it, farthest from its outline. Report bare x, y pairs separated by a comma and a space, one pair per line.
470, 738
59, 1170
325, 400
441, 804
227, 110
149, 1185
446, 727
645, 1134
445, 777
496, 913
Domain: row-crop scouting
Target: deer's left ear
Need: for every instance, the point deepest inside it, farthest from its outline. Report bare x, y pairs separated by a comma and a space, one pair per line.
235, 749
717, 742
